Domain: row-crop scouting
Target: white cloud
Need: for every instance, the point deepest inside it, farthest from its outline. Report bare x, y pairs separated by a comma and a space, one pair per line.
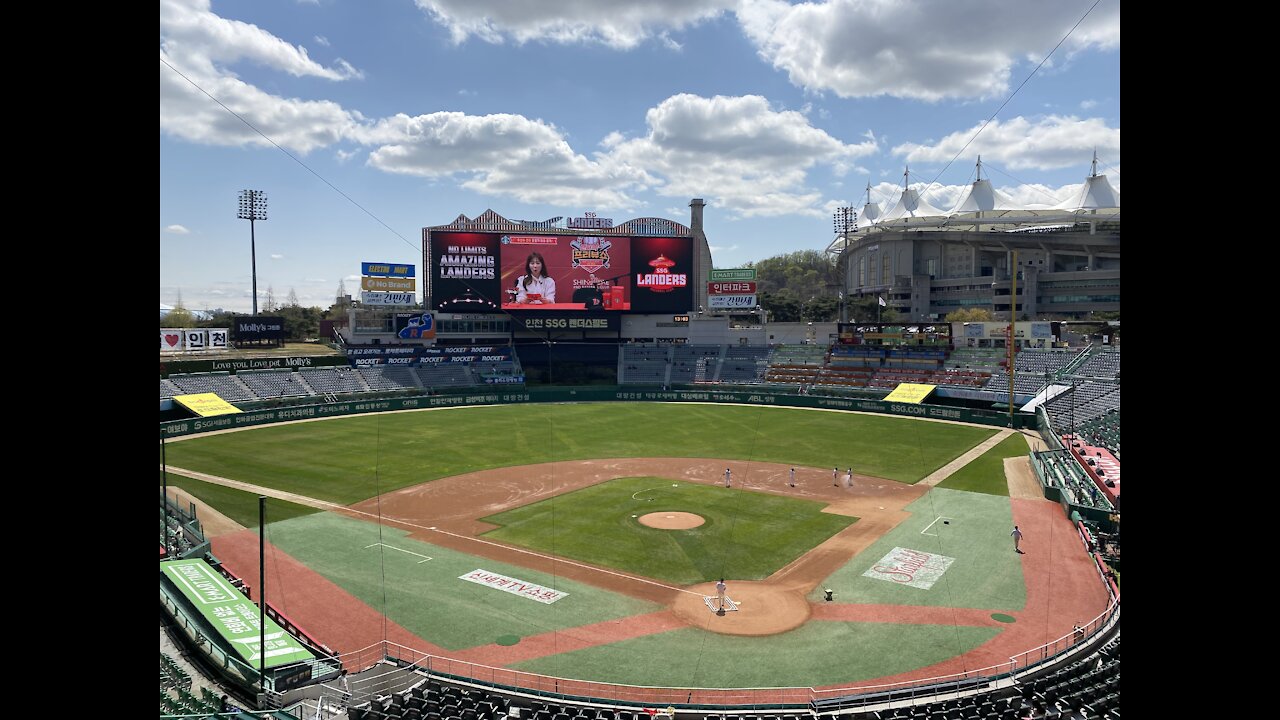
321, 40
737, 152
277, 256
201, 46
722, 248
200, 40
501, 155
926, 49
1088, 104
1047, 143
619, 24
344, 155
177, 230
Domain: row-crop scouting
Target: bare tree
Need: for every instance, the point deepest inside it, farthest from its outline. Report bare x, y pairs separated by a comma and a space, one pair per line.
269, 302
292, 301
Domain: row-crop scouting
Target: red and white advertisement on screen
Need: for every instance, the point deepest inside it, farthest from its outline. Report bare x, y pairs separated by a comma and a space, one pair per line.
661, 279
565, 272
590, 253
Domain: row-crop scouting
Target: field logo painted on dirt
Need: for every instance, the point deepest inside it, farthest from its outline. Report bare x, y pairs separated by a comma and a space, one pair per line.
522, 588
910, 567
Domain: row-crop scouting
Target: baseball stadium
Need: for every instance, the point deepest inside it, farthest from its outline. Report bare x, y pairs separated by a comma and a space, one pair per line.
628, 494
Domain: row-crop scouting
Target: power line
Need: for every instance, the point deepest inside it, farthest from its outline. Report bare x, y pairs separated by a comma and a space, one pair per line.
289, 155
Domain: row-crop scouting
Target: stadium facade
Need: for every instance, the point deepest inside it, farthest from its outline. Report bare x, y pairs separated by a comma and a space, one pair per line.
926, 262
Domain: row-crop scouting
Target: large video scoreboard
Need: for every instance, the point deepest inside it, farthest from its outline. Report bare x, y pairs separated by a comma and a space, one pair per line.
524, 273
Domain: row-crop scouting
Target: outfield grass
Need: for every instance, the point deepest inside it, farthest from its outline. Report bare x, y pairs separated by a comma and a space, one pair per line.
747, 535
239, 505
986, 473
346, 460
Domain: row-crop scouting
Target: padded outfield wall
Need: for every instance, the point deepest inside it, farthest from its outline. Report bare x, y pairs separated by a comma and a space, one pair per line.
192, 426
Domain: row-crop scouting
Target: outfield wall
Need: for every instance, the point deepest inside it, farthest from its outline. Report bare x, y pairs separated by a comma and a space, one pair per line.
176, 428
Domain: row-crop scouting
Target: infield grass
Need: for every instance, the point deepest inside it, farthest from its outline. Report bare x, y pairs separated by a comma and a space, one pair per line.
346, 460
747, 535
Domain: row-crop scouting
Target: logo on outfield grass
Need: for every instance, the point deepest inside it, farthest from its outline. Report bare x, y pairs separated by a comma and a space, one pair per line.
910, 567
522, 588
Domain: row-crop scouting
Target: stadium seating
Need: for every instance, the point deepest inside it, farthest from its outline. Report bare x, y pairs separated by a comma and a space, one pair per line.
273, 383
228, 387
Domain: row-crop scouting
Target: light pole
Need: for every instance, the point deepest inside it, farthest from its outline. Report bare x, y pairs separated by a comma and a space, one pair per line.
844, 221
253, 206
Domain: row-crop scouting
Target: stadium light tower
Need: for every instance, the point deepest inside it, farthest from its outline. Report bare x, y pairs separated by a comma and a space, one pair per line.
253, 206
844, 221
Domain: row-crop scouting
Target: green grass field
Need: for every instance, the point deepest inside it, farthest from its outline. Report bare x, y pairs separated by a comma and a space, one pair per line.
986, 572
986, 473
239, 505
346, 460
747, 535
427, 598
819, 653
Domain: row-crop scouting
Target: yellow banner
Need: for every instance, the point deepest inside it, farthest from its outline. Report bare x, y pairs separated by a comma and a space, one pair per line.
910, 393
206, 404
381, 283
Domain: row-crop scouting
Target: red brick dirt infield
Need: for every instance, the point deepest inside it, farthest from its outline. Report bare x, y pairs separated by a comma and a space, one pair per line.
1061, 584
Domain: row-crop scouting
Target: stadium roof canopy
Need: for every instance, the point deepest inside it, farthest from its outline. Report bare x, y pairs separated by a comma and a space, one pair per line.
983, 207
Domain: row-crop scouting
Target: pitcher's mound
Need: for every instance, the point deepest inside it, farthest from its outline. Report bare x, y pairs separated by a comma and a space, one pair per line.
763, 608
672, 520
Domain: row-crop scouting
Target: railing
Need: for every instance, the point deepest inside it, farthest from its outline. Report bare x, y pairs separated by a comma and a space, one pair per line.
234, 668
567, 689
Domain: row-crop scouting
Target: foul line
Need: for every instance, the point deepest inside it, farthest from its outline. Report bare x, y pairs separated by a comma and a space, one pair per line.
926, 527
325, 505
393, 547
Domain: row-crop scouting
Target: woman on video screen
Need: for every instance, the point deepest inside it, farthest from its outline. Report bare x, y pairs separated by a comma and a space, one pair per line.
535, 288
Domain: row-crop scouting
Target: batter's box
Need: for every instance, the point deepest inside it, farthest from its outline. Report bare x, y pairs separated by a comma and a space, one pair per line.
713, 603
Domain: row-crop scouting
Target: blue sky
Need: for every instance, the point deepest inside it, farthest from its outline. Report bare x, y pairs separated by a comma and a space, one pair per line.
405, 114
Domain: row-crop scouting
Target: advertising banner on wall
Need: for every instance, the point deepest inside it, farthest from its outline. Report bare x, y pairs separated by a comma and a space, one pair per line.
170, 340
258, 327
731, 302
732, 288
733, 274
399, 270
396, 284
233, 616
415, 326
195, 340
388, 298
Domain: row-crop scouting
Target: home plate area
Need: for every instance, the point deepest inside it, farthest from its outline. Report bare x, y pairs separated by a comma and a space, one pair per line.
713, 603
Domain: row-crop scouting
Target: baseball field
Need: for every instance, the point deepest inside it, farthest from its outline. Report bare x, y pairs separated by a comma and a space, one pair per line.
583, 541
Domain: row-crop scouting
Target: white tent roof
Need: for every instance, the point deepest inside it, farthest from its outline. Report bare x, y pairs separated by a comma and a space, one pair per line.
984, 197
1095, 194
870, 214
909, 206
